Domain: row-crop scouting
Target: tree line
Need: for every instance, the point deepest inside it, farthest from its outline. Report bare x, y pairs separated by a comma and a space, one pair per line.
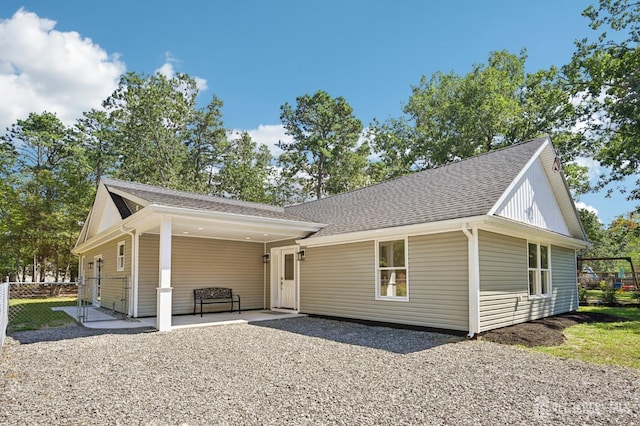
151, 130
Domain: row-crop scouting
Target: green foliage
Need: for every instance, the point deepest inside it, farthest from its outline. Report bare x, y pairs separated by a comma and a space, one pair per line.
604, 74
324, 157
451, 117
583, 294
150, 116
51, 191
246, 172
609, 295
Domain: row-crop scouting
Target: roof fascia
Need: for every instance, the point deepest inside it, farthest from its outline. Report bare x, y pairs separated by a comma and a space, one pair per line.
407, 230
236, 218
115, 231
500, 225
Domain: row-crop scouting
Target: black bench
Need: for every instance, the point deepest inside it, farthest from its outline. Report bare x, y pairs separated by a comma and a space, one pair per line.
209, 295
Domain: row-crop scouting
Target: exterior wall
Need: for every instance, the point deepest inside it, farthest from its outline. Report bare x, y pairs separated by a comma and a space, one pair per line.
533, 201
114, 284
340, 281
197, 263
504, 278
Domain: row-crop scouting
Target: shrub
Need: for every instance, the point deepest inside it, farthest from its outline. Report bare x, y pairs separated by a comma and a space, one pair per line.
582, 295
609, 295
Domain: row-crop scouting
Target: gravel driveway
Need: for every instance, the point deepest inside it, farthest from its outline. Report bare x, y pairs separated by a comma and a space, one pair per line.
299, 371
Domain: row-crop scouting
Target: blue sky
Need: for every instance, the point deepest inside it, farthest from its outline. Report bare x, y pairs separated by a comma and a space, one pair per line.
256, 55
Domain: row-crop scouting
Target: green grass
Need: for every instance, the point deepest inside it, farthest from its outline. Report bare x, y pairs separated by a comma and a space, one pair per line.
36, 313
613, 343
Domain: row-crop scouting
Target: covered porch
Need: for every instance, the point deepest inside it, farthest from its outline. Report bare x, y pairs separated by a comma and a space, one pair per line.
196, 249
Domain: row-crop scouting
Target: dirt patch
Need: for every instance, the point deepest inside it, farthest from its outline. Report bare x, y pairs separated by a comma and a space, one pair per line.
546, 331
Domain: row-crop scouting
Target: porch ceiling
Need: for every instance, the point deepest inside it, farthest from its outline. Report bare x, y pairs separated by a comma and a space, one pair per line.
224, 230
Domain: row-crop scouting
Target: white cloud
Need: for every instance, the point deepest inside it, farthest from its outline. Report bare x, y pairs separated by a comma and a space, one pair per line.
583, 206
42, 69
595, 169
168, 70
268, 134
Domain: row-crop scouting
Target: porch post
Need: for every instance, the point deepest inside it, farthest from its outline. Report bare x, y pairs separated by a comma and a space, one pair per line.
163, 307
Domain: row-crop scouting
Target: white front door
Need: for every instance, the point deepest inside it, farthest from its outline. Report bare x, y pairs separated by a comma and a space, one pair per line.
285, 278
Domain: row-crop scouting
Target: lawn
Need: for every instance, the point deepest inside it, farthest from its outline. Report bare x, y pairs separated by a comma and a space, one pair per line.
36, 313
621, 296
614, 343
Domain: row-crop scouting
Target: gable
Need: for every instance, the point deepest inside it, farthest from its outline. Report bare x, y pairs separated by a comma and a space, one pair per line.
533, 201
103, 215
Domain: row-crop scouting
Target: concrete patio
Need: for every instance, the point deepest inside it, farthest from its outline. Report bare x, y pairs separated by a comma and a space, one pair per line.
99, 319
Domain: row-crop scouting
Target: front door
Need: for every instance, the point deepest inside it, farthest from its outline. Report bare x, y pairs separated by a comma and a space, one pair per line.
287, 284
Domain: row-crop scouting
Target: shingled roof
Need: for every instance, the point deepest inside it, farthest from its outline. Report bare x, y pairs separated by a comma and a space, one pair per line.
466, 188
170, 197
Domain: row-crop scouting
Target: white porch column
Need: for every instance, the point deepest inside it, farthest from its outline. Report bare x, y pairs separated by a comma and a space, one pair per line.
474, 280
163, 307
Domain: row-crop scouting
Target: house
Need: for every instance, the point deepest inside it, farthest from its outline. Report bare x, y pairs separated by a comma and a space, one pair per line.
482, 243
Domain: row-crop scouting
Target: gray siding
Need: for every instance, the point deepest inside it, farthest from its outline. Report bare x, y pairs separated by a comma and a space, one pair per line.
199, 262
148, 264
113, 283
340, 281
504, 278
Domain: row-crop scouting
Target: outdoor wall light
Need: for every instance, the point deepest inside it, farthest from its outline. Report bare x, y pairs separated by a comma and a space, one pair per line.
90, 265
265, 258
301, 255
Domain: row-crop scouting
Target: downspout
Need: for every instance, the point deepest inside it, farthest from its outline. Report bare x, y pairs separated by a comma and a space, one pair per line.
264, 278
474, 280
133, 307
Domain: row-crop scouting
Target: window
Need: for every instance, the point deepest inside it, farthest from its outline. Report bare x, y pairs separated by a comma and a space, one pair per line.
391, 270
120, 256
539, 274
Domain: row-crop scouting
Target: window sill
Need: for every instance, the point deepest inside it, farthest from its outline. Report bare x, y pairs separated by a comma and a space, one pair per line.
392, 299
540, 296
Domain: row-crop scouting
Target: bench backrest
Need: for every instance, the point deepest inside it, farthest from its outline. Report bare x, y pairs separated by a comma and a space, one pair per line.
212, 293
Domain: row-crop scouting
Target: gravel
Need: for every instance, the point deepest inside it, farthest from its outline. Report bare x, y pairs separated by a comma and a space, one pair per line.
299, 371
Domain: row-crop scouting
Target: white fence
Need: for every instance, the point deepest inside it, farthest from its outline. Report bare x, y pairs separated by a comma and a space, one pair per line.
4, 311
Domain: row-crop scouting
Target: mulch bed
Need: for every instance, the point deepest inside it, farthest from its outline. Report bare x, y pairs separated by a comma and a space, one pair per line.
544, 332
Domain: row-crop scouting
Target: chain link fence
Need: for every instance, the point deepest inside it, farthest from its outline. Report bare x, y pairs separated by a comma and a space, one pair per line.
33, 306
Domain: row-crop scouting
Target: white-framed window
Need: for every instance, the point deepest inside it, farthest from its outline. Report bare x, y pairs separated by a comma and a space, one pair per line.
392, 270
539, 269
120, 257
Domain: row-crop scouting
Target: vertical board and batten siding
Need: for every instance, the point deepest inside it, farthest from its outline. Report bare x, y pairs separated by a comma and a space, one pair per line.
113, 284
533, 202
339, 281
200, 262
504, 278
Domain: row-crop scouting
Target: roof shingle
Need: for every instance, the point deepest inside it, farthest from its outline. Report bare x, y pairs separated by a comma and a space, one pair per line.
463, 189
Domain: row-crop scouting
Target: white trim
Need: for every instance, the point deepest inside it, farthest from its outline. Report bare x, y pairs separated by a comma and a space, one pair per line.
120, 258
135, 250
501, 225
97, 276
392, 233
473, 248
517, 179
538, 270
128, 196
377, 269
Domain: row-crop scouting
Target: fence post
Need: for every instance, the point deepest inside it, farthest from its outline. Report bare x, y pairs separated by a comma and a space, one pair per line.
4, 311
